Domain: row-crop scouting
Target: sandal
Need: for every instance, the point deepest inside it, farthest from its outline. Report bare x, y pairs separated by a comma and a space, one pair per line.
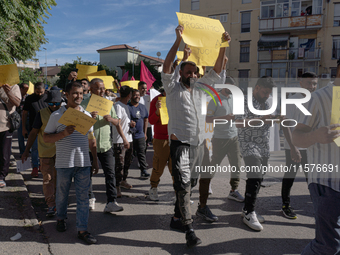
2, 184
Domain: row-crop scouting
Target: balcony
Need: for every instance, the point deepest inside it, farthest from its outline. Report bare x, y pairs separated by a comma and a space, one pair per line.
310, 22
291, 54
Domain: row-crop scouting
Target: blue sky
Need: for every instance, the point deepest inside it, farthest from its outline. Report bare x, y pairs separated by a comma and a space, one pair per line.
80, 27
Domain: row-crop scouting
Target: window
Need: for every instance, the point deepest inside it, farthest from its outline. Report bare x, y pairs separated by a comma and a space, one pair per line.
274, 9
245, 22
243, 76
296, 8
333, 73
224, 18
244, 51
195, 5
246, 1
336, 47
337, 14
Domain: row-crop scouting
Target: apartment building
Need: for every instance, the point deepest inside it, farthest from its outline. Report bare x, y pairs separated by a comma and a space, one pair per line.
278, 38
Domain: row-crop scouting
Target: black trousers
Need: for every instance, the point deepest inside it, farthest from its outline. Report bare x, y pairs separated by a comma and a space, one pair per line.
254, 180
139, 146
289, 177
5, 153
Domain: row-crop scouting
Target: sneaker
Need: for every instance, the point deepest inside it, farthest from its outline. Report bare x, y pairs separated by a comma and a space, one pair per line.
125, 185
144, 174
206, 214
210, 190
251, 221
119, 192
51, 211
87, 237
35, 172
113, 207
259, 217
177, 225
153, 194
192, 239
288, 212
92, 204
61, 226
235, 195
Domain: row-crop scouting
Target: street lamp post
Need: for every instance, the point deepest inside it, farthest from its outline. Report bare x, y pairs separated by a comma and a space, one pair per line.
133, 61
45, 65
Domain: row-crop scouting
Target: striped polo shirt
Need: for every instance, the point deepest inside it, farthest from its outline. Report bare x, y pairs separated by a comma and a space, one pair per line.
325, 156
72, 150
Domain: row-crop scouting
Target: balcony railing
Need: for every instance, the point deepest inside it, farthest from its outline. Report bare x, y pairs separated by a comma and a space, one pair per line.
291, 23
289, 54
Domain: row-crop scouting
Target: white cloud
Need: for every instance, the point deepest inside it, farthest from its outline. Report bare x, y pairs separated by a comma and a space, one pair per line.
122, 4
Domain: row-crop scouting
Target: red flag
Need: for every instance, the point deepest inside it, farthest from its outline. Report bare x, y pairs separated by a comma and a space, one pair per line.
132, 78
146, 76
125, 77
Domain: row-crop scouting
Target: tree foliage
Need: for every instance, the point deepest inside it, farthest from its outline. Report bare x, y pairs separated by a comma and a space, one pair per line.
21, 30
68, 67
157, 84
28, 74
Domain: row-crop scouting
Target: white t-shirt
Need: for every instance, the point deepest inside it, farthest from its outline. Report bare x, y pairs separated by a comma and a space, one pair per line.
293, 113
123, 113
72, 150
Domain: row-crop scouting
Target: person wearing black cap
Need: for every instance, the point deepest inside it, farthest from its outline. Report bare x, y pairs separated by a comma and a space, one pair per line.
47, 151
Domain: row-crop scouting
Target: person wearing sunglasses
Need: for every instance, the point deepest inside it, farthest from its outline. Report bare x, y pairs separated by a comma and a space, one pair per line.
47, 151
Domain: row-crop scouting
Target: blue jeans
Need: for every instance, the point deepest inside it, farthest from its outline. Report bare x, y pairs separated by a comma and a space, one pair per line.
326, 202
82, 178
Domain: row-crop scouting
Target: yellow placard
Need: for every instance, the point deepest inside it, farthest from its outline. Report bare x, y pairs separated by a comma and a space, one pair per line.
84, 70
107, 80
9, 75
30, 90
335, 116
132, 84
100, 104
163, 111
99, 73
201, 32
201, 56
180, 57
80, 120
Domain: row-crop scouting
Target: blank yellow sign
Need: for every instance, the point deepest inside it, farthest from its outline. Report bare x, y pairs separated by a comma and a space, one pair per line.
107, 80
201, 32
84, 70
335, 116
100, 104
99, 73
9, 75
30, 90
163, 111
80, 120
132, 84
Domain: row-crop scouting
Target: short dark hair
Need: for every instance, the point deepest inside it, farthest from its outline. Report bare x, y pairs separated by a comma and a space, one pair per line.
21, 85
125, 91
85, 80
71, 85
95, 80
39, 85
187, 63
135, 91
309, 75
141, 83
266, 82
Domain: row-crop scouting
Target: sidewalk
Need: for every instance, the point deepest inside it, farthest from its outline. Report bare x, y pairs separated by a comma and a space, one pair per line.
143, 226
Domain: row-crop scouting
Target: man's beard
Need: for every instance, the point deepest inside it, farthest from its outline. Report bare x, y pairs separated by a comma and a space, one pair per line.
188, 81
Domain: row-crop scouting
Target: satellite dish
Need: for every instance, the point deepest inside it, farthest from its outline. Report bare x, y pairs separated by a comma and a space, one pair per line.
158, 54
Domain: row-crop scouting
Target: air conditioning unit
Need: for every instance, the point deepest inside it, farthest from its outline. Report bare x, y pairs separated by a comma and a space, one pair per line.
325, 76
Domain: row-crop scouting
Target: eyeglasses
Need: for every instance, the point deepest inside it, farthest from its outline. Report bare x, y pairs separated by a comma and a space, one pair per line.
52, 104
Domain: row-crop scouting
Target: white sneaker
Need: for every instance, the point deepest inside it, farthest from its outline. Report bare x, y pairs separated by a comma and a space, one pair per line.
235, 195
113, 207
259, 217
251, 221
210, 189
153, 194
92, 204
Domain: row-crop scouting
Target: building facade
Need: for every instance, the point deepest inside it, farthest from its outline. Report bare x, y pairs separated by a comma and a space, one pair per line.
279, 38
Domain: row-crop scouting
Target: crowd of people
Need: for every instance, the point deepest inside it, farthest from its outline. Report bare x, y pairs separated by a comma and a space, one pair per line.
114, 140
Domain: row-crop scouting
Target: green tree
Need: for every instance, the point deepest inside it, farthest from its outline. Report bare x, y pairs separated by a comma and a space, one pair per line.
28, 74
21, 30
128, 67
68, 67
